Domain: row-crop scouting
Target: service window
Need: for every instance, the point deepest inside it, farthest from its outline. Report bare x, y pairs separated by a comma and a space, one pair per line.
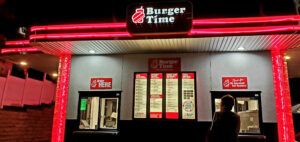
98, 110
109, 113
165, 96
89, 108
247, 106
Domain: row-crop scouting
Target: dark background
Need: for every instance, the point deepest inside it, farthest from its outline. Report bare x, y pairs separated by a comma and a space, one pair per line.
17, 13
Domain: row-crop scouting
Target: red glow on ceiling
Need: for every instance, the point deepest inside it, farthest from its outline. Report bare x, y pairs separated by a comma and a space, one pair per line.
282, 97
16, 50
244, 30
18, 42
59, 118
80, 35
78, 26
248, 20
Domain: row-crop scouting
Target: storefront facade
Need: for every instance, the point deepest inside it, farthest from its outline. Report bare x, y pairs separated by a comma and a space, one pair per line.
135, 79
209, 69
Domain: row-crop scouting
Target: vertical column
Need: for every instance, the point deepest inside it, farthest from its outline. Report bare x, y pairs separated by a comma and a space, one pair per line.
282, 97
58, 128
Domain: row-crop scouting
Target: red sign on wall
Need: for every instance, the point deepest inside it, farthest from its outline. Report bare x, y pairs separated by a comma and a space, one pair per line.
235, 83
101, 83
164, 65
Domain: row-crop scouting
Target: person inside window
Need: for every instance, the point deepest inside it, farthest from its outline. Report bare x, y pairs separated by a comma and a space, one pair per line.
226, 124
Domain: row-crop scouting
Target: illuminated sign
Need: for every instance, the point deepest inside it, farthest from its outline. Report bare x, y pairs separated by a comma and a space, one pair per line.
101, 83
188, 96
172, 101
140, 100
162, 17
234, 83
156, 95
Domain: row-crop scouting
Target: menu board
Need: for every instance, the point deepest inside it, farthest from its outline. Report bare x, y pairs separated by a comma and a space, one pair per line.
188, 96
140, 100
172, 95
156, 95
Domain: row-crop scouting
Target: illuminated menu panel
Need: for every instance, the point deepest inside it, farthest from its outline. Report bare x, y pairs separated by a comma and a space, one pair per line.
188, 96
172, 95
156, 96
140, 102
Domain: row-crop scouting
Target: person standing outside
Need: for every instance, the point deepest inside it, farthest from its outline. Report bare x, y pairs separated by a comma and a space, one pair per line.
226, 124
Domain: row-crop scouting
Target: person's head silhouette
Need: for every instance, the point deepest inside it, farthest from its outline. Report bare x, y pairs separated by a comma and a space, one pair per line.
227, 103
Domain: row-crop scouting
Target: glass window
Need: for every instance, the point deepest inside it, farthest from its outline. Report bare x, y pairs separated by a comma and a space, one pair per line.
218, 105
247, 108
109, 113
89, 109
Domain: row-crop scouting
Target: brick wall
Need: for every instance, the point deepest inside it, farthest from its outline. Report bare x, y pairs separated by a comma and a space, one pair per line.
28, 124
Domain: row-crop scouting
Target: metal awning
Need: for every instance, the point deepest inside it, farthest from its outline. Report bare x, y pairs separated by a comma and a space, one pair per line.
172, 45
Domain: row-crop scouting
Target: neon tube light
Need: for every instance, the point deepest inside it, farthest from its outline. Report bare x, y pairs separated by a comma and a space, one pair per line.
289, 18
18, 42
80, 35
59, 118
15, 50
78, 26
282, 98
249, 20
244, 30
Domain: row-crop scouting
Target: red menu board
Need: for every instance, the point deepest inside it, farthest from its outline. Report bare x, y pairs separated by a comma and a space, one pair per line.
140, 100
172, 95
234, 83
156, 96
188, 96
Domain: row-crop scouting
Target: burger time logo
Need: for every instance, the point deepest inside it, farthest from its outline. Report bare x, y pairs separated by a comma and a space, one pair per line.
156, 15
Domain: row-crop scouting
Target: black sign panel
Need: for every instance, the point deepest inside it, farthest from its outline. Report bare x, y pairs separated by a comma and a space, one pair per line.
160, 17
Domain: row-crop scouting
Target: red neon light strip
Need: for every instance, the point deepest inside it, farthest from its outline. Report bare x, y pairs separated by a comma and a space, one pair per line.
288, 103
79, 26
15, 50
244, 30
291, 18
249, 20
18, 42
58, 128
80, 35
282, 98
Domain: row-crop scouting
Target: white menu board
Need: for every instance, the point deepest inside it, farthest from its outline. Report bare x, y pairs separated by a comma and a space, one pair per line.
140, 100
172, 95
156, 95
188, 96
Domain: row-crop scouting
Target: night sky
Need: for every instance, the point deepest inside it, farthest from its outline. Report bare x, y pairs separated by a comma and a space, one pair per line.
15, 13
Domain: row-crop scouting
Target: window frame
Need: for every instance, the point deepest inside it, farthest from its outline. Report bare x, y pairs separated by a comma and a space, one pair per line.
100, 94
164, 98
240, 94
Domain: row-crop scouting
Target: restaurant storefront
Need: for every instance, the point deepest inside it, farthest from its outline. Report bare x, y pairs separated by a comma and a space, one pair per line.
160, 75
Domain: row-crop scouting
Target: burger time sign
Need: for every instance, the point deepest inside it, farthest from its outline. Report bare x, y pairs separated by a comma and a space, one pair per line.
162, 17
165, 15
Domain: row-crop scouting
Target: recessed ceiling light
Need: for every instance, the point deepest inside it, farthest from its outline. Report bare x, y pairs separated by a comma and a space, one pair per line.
241, 48
54, 74
23, 63
287, 57
92, 51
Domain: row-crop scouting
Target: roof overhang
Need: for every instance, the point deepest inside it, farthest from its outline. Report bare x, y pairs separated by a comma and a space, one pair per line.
228, 34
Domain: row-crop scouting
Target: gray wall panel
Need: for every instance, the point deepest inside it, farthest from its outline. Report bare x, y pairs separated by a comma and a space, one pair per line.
210, 68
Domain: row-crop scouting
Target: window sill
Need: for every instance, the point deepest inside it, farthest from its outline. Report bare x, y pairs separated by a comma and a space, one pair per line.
111, 132
261, 137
